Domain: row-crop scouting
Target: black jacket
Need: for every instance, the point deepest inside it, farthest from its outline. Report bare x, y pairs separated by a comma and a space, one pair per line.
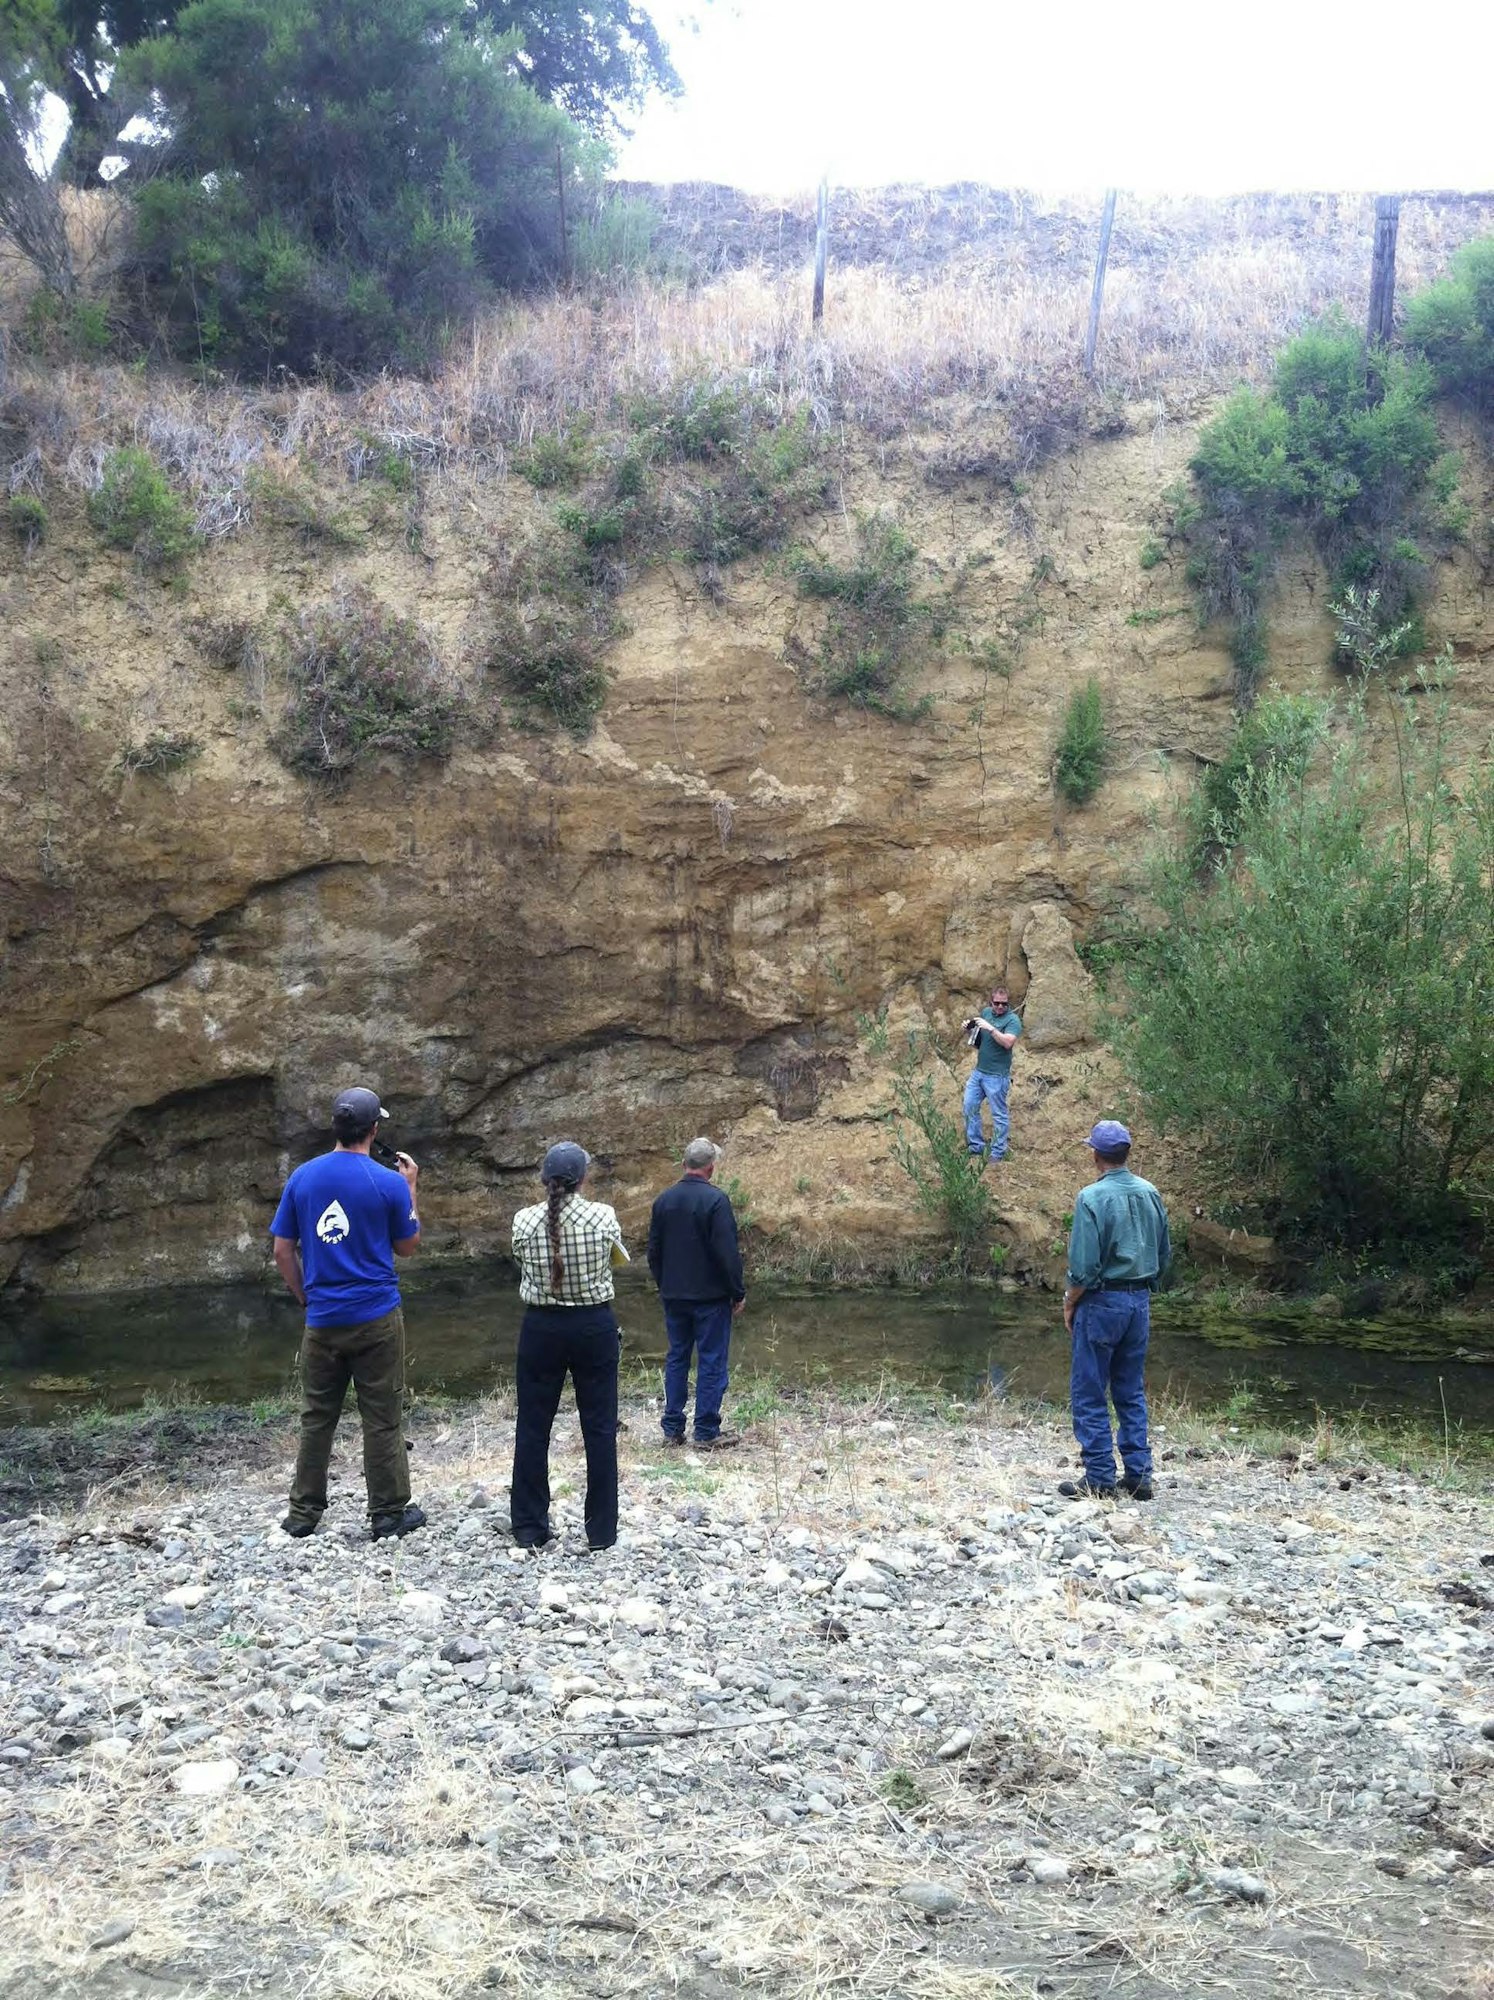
692, 1244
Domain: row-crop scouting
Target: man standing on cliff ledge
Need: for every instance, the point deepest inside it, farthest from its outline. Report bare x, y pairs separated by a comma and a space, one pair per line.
1118, 1248
996, 1029
341, 1222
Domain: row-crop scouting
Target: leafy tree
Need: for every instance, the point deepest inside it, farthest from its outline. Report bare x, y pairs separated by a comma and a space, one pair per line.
588, 59
1316, 1006
30, 211
339, 178
94, 34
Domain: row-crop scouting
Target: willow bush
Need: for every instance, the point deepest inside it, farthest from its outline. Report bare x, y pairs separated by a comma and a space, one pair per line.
1316, 1004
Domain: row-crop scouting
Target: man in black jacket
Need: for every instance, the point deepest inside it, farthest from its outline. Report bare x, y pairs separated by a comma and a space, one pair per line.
697, 1265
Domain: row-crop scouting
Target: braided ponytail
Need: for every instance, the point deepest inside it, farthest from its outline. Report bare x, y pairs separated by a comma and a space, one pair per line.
555, 1194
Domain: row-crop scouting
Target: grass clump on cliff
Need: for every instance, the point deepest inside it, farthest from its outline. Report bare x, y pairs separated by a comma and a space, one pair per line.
134, 507
1079, 760
1344, 446
1315, 1005
26, 517
875, 621
364, 682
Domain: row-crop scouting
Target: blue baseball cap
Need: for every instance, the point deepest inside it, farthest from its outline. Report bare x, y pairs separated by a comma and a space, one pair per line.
1108, 1137
565, 1161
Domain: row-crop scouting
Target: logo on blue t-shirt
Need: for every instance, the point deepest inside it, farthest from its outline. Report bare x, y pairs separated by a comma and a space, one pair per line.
346, 1213
332, 1224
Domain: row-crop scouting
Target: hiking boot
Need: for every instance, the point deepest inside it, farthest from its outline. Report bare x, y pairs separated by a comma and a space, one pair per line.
401, 1524
298, 1527
1083, 1489
672, 1440
1139, 1488
722, 1441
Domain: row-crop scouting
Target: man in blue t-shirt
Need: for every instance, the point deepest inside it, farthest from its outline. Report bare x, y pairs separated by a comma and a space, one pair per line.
993, 1032
342, 1221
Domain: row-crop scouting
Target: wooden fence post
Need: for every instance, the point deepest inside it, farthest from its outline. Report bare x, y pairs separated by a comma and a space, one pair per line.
821, 250
565, 248
1382, 275
1107, 221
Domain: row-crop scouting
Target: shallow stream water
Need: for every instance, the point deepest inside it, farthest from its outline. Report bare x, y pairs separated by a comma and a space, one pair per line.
234, 1344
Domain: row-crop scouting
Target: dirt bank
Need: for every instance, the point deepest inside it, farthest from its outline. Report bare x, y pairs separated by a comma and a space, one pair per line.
858, 1708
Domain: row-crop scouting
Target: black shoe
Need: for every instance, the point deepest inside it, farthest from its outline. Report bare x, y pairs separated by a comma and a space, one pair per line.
1082, 1489
722, 1441
533, 1541
296, 1526
385, 1525
1139, 1489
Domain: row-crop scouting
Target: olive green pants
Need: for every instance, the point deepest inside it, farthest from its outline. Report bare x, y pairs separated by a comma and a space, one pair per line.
372, 1358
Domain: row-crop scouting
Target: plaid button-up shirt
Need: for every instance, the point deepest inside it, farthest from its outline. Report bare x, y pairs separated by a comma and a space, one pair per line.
588, 1231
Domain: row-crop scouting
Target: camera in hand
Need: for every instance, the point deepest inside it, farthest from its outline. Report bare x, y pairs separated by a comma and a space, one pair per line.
386, 1156
972, 1032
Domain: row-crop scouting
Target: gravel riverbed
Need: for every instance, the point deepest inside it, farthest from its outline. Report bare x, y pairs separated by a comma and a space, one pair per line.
860, 1707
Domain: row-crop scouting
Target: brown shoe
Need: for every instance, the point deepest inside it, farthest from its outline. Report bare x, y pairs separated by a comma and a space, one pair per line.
722, 1441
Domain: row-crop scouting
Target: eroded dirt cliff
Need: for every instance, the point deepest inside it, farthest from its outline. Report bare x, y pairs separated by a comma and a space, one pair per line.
672, 926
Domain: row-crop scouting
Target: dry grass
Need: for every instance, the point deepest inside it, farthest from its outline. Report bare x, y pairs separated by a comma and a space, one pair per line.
949, 324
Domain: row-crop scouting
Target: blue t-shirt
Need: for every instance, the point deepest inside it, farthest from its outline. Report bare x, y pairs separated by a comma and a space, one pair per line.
345, 1211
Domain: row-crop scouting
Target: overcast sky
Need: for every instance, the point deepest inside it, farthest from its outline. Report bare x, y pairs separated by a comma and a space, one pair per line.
1175, 96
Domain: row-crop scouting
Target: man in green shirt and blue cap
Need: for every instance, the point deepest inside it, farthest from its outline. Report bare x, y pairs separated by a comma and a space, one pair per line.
1118, 1249
993, 1034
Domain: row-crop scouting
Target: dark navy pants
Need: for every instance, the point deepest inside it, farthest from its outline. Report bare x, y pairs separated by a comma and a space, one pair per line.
1111, 1330
704, 1326
553, 1341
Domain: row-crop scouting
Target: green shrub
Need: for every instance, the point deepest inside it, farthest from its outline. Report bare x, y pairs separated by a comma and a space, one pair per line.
1452, 323
556, 458
61, 329
159, 751
1343, 446
26, 518
364, 681
875, 620
1275, 737
547, 657
1315, 1008
928, 1144
1079, 760
134, 508
1152, 553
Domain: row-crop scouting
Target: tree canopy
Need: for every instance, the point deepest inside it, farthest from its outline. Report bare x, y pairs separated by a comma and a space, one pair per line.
337, 178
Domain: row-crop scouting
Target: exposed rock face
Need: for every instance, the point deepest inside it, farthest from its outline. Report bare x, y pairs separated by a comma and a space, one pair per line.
669, 928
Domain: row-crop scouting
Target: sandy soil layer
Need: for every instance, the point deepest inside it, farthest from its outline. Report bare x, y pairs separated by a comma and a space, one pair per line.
860, 1707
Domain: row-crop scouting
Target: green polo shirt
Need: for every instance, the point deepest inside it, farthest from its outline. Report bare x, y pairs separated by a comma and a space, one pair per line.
991, 1059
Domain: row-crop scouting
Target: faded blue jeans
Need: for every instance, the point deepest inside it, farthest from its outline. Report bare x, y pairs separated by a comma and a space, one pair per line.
1111, 1330
987, 1088
705, 1327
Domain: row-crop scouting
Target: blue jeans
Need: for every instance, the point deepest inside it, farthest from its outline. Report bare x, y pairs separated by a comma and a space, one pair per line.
1110, 1336
705, 1327
992, 1090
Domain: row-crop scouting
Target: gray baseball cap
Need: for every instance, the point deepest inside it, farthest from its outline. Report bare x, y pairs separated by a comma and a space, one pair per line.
358, 1106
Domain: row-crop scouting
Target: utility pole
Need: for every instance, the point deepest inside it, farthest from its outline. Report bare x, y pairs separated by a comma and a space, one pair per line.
1107, 222
1382, 274
821, 249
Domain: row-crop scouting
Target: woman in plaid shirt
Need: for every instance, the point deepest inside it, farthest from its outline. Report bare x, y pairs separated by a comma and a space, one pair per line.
566, 1247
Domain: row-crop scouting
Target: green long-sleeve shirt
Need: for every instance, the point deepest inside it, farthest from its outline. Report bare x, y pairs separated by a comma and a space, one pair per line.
1119, 1233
